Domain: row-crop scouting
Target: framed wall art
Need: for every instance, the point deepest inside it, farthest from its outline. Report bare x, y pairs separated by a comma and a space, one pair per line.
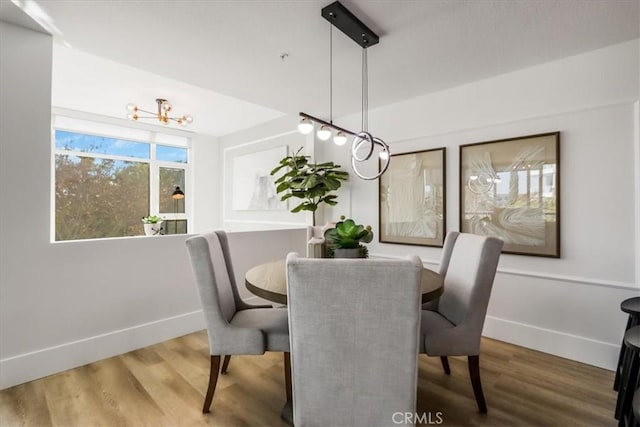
412, 194
253, 187
510, 189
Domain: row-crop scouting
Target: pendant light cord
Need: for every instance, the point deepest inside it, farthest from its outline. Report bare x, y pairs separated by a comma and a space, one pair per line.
331, 73
365, 91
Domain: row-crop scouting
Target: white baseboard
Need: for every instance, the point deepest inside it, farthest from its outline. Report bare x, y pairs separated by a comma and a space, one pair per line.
574, 347
37, 364
29, 366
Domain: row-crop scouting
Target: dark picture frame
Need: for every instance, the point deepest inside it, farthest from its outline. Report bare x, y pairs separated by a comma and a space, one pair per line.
510, 189
412, 199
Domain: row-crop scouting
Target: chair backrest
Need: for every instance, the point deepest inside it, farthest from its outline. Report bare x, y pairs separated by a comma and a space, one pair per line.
353, 328
226, 252
468, 280
447, 250
214, 277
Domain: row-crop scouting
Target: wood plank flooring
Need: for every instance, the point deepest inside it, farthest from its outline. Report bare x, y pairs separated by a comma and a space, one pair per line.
164, 385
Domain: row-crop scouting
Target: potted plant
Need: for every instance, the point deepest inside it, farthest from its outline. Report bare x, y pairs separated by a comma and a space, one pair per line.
345, 240
152, 225
314, 183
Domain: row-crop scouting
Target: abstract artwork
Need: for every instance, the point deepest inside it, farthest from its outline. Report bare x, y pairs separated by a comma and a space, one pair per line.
510, 189
412, 199
253, 187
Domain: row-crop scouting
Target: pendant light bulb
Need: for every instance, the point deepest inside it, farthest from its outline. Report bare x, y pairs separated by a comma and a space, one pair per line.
324, 133
384, 155
340, 138
305, 126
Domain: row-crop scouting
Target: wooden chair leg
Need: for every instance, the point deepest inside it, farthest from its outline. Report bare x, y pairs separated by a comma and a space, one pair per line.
213, 380
287, 375
445, 365
225, 364
474, 373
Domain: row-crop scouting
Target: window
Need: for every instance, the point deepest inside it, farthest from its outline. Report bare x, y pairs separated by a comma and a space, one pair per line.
108, 177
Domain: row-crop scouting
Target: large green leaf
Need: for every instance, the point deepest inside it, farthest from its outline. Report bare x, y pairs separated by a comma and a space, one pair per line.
299, 194
303, 180
282, 187
310, 181
298, 208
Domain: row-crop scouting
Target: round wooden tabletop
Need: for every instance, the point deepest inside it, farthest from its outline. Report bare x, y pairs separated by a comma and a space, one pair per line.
269, 281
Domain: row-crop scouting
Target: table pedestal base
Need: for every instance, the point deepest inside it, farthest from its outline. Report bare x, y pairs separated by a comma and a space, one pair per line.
287, 413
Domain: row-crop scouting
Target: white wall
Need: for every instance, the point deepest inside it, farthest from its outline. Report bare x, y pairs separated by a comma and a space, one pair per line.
207, 200
567, 306
69, 303
66, 304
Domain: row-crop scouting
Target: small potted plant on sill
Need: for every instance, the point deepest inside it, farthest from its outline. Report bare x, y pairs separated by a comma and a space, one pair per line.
345, 240
152, 225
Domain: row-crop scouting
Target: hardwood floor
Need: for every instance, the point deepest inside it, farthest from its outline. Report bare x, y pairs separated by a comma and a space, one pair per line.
164, 385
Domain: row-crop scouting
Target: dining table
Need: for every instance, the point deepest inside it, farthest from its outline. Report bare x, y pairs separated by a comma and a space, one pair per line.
269, 281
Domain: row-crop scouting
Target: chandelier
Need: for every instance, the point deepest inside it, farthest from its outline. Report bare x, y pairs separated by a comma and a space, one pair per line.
363, 143
162, 114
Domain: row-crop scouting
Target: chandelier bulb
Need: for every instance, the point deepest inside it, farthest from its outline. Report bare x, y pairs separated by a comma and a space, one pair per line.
324, 133
305, 126
384, 155
188, 119
340, 138
131, 107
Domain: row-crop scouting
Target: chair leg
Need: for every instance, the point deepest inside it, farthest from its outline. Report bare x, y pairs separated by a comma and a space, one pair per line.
474, 373
225, 364
287, 375
616, 382
628, 385
213, 380
445, 365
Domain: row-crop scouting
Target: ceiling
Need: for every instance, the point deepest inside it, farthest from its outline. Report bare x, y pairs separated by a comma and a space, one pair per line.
275, 54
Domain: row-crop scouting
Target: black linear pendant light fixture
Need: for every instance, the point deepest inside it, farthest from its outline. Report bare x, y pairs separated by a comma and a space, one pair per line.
363, 142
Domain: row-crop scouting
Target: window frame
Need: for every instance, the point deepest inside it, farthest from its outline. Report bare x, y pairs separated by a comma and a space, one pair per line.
156, 136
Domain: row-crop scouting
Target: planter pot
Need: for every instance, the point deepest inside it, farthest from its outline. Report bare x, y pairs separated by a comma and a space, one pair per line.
347, 253
153, 229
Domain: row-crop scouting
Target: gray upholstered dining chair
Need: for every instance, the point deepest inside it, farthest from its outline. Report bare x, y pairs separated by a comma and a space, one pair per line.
447, 249
233, 326
452, 326
353, 326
